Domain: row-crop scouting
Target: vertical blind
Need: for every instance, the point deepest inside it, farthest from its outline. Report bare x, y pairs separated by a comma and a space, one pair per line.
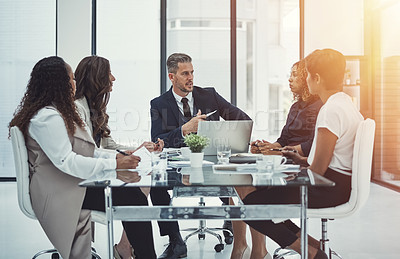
27, 33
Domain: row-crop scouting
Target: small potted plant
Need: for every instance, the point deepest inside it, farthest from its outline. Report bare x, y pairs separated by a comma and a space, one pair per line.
196, 144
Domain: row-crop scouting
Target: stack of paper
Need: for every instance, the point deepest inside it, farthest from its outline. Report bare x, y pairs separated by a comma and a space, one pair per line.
185, 163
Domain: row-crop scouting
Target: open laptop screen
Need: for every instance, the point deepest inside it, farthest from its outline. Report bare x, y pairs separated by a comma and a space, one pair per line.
235, 133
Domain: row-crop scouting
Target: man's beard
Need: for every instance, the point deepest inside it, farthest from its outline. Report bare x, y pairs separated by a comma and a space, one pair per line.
183, 89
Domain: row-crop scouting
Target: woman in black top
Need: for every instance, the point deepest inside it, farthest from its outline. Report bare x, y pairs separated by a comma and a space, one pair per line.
298, 134
300, 122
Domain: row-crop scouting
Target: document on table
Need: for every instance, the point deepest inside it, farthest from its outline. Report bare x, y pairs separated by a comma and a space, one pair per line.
250, 168
185, 163
234, 169
143, 169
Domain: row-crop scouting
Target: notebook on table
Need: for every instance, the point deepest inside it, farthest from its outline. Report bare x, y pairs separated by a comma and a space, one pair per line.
248, 158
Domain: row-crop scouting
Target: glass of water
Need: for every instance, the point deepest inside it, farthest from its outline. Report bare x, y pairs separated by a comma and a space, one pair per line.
261, 163
159, 160
223, 153
159, 168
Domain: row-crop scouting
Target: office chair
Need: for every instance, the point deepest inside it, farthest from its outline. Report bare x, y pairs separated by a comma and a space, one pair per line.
24, 200
360, 185
202, 229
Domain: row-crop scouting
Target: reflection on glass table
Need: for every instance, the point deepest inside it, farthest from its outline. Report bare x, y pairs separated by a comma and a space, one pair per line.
209, 176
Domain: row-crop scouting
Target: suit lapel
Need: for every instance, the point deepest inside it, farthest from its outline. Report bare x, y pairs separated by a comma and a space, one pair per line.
198, 101
83, 135
173, 107
201, 102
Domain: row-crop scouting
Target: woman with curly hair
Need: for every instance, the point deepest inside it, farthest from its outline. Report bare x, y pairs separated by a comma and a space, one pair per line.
297, 134
94, 82
300, 122
61, 154
330, 155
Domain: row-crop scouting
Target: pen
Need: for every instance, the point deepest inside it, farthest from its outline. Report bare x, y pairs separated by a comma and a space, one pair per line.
122, 152
281, 149
207, 114
211, 113
277, 149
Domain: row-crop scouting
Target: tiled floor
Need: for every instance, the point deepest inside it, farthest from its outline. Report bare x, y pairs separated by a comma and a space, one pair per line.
373, 232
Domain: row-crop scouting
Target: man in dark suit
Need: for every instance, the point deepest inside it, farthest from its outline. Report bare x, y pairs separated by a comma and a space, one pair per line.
177, 113
168, 121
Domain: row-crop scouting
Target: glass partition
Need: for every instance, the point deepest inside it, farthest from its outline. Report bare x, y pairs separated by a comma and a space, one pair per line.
128, 36
27, 33
267, 46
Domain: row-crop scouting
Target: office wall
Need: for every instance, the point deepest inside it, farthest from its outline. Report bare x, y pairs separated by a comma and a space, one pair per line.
335, 24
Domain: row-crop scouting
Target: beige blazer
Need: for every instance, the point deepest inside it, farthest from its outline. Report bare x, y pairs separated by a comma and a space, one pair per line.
83, 109
57, 199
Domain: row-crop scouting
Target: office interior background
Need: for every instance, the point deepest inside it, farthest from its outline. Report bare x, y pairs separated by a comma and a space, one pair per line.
271, 35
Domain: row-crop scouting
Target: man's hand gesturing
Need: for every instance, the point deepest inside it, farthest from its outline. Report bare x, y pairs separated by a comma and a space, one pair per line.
191, 126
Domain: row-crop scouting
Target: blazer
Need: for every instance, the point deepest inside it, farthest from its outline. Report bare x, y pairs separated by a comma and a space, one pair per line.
57, 199
167, 120
300, 124
83, 109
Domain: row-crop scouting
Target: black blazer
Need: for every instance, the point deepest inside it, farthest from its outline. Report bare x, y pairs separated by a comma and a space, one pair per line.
167, 120
300, 124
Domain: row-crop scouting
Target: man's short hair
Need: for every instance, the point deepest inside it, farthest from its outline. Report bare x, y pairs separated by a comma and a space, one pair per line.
174, 59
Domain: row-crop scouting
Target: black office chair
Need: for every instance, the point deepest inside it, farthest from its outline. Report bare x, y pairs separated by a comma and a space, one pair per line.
202, 229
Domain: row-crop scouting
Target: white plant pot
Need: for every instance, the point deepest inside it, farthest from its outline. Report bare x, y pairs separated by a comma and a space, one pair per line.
196, 159
196, 175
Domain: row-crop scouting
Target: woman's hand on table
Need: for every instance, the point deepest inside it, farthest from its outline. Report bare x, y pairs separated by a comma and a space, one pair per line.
254, 147
127, 162
159, 145
150, 146
127, 152
265, 148
153, 147
292, 153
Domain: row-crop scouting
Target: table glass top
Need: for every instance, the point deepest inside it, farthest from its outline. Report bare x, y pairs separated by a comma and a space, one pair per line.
220, 175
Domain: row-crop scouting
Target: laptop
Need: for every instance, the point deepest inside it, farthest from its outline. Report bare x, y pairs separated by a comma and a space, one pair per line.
235, 133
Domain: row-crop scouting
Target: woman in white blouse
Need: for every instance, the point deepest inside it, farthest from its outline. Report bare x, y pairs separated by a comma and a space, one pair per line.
61, 153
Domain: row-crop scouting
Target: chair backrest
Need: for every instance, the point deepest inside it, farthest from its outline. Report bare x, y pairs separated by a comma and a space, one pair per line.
22, 171
362, 163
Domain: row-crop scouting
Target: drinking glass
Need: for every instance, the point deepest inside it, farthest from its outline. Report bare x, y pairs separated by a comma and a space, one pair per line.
264, 164
261, 163
159, 168
223, 153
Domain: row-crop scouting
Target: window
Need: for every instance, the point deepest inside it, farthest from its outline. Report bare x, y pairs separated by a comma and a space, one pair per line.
267, 46
27, 33
128, 36
386, 103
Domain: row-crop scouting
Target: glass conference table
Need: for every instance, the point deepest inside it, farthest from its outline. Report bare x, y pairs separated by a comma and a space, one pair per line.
181, 175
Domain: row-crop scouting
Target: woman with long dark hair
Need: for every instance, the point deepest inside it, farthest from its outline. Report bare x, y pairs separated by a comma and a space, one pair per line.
94, 82
61, 154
